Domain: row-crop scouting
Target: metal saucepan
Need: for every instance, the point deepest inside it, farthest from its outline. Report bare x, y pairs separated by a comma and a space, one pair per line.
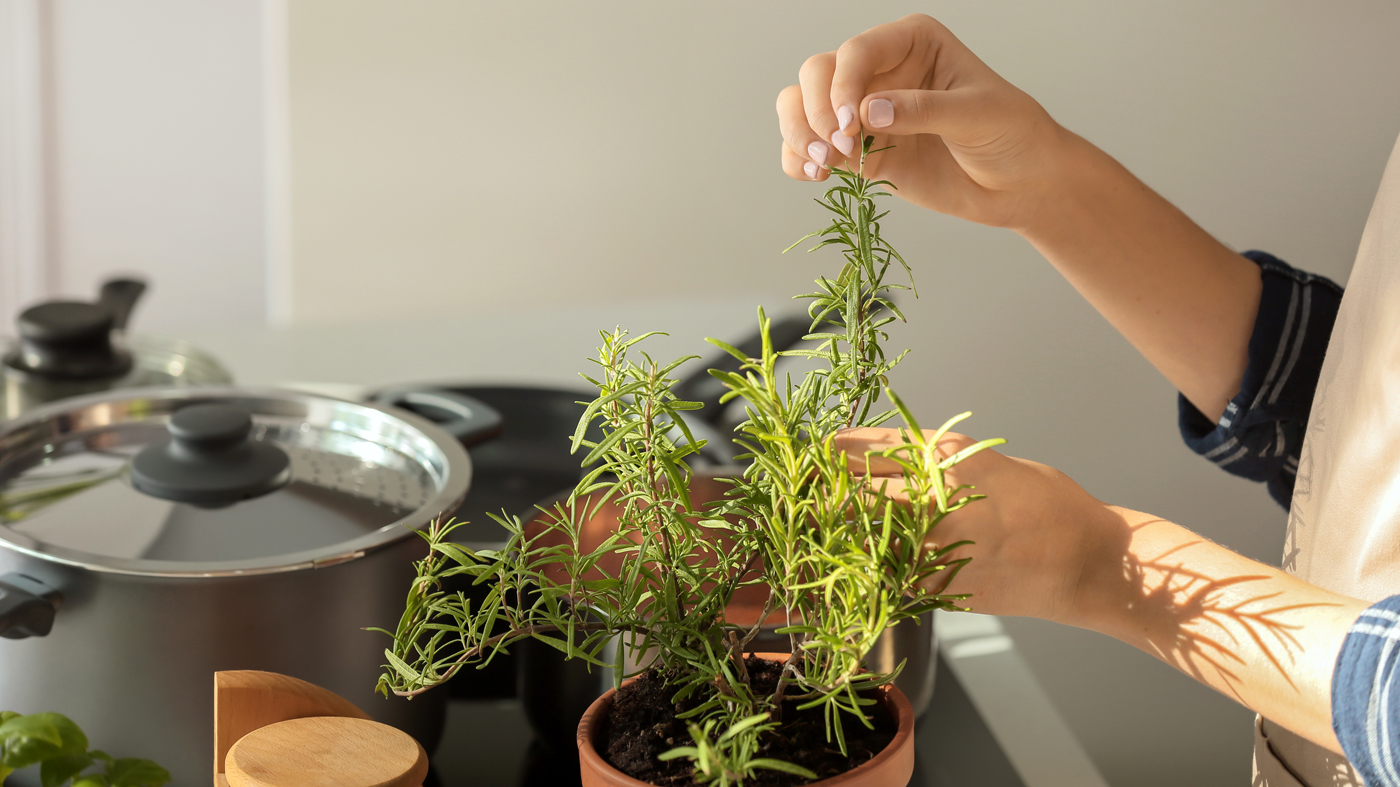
530, 460
151, 538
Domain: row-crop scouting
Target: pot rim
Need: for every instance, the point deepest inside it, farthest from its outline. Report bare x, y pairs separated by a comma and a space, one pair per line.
897, 757
56, 419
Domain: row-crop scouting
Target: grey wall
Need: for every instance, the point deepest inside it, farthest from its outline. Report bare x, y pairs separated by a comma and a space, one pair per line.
455, 156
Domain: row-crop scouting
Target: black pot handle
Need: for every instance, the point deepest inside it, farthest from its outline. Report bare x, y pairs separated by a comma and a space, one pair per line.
27, 607
119, 296
466, 418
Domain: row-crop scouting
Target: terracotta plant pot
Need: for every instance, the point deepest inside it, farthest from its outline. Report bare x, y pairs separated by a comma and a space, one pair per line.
892, 767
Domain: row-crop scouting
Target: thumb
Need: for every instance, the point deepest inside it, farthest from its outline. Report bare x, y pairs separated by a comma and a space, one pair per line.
962, 115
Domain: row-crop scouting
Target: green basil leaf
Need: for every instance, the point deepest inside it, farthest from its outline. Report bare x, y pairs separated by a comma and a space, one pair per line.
131, 772
37, 737
56, 771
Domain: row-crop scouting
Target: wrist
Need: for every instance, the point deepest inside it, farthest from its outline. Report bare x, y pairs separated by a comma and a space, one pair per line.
1100, 597
1078, 186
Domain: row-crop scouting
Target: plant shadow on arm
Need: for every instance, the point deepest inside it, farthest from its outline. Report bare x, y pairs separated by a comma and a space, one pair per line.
1211, 625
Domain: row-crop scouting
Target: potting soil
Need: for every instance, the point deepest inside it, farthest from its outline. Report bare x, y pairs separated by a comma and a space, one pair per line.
643, 724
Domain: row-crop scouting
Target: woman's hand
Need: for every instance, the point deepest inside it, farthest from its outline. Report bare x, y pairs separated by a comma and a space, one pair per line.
965, 141
1043, 547
1032, 536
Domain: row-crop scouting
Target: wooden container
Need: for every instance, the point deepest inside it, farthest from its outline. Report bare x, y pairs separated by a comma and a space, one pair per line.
272, 730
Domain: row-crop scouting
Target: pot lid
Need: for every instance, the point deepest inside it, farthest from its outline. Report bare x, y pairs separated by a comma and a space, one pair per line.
208, 482
155, 362
70, 348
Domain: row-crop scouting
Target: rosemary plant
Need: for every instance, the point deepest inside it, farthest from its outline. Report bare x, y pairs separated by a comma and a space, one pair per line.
841, 560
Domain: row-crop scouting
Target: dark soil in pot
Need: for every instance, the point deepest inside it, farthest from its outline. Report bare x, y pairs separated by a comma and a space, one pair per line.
642, 724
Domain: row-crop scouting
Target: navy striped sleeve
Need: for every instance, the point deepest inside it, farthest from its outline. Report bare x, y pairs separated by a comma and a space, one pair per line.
1365, 697
1261, 433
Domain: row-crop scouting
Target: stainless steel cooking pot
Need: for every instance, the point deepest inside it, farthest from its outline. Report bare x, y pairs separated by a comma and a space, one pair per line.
71, 348
151, 538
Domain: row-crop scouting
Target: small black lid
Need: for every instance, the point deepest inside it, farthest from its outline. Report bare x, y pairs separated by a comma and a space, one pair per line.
68, 340
65, 322
210, 459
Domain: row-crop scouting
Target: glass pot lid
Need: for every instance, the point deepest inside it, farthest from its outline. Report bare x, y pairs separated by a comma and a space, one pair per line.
156, 362
70, 348
208, 482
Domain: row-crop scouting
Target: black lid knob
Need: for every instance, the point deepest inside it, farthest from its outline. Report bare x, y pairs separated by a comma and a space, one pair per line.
210, 426
68, 340
210, 459
65, 321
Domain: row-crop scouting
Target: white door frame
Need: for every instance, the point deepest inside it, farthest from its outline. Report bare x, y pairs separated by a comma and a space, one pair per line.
30, 207
277, 146
24, 163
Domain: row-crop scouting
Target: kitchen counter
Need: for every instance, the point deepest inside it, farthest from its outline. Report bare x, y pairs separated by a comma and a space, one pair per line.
990, 722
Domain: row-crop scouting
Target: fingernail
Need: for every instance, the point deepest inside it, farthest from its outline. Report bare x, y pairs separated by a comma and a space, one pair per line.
844, 116
811, 170
843, 143
818, 151
881, 112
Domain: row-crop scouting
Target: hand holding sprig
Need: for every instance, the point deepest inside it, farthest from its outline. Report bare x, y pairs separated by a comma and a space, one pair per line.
968, 143
1028, 540
965, 141
1043, 547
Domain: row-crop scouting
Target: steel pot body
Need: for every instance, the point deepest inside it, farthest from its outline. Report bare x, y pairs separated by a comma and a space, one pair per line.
151, 596
132, 658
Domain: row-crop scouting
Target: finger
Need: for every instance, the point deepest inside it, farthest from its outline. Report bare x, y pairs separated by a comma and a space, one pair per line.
799, 168
797, 134
957, 114
873, 52
815, 79
863, 445
894, 488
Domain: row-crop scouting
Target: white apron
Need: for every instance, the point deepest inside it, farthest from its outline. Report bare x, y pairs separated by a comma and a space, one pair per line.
1344, 526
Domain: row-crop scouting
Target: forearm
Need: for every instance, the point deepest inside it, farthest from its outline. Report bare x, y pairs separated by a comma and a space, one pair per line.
1183, 299
1250, 631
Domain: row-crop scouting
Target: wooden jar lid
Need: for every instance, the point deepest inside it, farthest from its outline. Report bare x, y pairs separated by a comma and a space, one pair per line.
326, 751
